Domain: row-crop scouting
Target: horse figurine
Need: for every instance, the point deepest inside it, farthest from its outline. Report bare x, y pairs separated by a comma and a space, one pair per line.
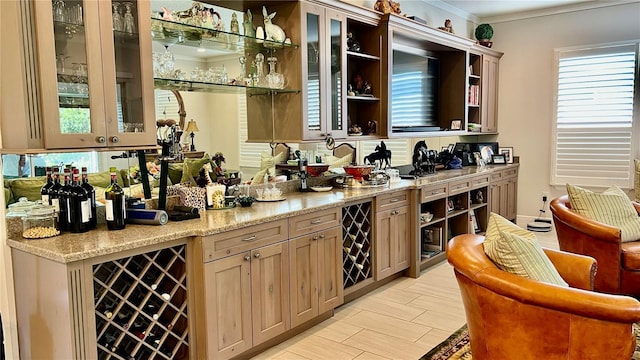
379, 157
420, 158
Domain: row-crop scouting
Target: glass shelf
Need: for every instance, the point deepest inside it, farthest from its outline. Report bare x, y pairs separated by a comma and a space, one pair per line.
170, 33
188, 85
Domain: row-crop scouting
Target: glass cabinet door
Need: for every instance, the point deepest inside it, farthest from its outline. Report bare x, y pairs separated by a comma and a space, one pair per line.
315, 65
68, 41
336, 81
80, 100
324, 73
129, 91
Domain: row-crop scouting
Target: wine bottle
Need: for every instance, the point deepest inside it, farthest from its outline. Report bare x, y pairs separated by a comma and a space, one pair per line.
302, 169
53, 191
44, 190
64, 219
116, 213
91, 194
78, 209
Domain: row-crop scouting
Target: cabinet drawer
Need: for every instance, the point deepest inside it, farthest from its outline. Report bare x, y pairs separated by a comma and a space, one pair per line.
236, 241
480, 181
393, 200
434, 192
316, 221
456, 187
497, 176
509, 173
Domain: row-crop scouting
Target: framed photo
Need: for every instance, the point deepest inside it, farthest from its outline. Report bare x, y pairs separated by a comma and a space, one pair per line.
450, 205
508, 154
499, 159
487, 150
478, 157
456, 124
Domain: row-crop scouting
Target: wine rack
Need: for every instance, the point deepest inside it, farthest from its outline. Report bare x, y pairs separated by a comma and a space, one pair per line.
141, 306
356, 243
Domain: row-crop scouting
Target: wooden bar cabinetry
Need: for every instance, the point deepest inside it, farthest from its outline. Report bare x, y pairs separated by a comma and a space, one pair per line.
132, 304
504, 192
392, 238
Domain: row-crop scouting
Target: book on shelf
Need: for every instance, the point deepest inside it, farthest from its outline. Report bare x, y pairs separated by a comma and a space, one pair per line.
474, 95
474, 227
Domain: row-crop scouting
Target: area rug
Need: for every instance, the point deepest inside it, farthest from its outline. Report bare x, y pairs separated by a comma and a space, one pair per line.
456, 346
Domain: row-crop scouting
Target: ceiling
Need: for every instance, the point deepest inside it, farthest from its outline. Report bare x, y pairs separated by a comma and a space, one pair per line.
485, 8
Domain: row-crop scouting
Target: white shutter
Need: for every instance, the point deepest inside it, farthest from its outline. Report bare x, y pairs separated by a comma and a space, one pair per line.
594, 130
250, 153
400, 150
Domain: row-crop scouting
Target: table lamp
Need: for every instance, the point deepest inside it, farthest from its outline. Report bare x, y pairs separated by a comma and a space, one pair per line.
192, 127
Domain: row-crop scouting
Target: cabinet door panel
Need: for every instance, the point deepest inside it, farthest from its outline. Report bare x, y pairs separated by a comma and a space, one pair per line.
70, 64
304, 279
336, 43
489, 93
314, 65
383, 248
228, 294
495, 195
270, 291
330, 290
403, 239
128, 74
511, 191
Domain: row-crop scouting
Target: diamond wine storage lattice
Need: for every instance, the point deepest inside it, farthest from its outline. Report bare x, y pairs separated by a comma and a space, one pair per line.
356, 243
141, 306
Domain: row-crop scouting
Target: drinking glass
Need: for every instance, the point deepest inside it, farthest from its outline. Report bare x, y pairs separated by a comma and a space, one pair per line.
118, 20
129, 21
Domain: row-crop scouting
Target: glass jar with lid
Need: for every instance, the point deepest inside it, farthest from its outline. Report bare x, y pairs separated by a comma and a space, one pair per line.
20, 208
40, 222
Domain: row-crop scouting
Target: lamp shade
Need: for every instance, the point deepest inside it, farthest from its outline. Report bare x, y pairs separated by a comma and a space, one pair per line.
192, 126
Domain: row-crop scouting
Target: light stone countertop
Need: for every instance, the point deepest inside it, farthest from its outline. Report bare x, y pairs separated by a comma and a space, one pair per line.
68, 247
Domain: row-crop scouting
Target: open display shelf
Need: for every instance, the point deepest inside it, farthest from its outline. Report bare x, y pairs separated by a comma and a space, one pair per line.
356, 243
141, 306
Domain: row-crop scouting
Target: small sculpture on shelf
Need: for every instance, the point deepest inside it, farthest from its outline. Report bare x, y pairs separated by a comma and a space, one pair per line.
234, 28
354, 130
352, 44
247, 24
360, 86
271, 32
448, 26
387, 7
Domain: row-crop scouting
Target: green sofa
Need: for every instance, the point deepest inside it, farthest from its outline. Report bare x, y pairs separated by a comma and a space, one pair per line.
29, 187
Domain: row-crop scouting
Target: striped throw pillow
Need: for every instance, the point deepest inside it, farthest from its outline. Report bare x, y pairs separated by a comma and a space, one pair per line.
516, 250
612, 207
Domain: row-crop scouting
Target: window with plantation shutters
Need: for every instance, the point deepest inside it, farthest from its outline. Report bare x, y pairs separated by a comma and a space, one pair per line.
595, 132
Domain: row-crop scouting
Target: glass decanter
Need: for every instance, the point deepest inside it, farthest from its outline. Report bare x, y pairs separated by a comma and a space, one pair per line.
274, 80
258, 76
242, 77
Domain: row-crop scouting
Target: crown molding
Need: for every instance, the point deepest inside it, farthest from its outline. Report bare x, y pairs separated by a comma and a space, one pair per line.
451, 9
580, 6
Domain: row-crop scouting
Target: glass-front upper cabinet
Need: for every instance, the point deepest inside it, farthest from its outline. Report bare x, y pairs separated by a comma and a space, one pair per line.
324, 68
95, 71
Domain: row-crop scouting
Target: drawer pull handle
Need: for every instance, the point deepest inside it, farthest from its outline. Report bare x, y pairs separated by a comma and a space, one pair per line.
321, 236
394, 200
256, 255
316, 221
315, 237
250, 238
247, 257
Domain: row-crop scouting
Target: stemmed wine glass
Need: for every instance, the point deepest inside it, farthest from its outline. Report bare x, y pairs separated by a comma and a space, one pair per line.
118, 20
129, 22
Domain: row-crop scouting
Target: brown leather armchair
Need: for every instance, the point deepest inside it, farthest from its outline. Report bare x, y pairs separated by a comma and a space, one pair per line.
512, 317
618, 262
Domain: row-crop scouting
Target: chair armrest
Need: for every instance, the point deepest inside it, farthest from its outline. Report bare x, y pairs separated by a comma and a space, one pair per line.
588, 304
577, 270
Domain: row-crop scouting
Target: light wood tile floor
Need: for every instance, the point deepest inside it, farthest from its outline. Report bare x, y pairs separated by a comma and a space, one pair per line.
401, 320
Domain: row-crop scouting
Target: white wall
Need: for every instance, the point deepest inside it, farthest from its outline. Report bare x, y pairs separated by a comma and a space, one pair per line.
526, 86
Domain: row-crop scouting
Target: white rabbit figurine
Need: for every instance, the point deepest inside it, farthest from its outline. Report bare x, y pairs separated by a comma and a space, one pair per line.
272, 32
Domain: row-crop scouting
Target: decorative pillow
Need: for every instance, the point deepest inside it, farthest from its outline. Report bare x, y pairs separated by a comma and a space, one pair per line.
194, 166
28, 187
267, 166
612, 207
336, 162
530, 258
516, 250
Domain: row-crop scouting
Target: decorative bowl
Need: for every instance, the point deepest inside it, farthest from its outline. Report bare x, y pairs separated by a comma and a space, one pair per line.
245, 201
358, 171
317, 169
